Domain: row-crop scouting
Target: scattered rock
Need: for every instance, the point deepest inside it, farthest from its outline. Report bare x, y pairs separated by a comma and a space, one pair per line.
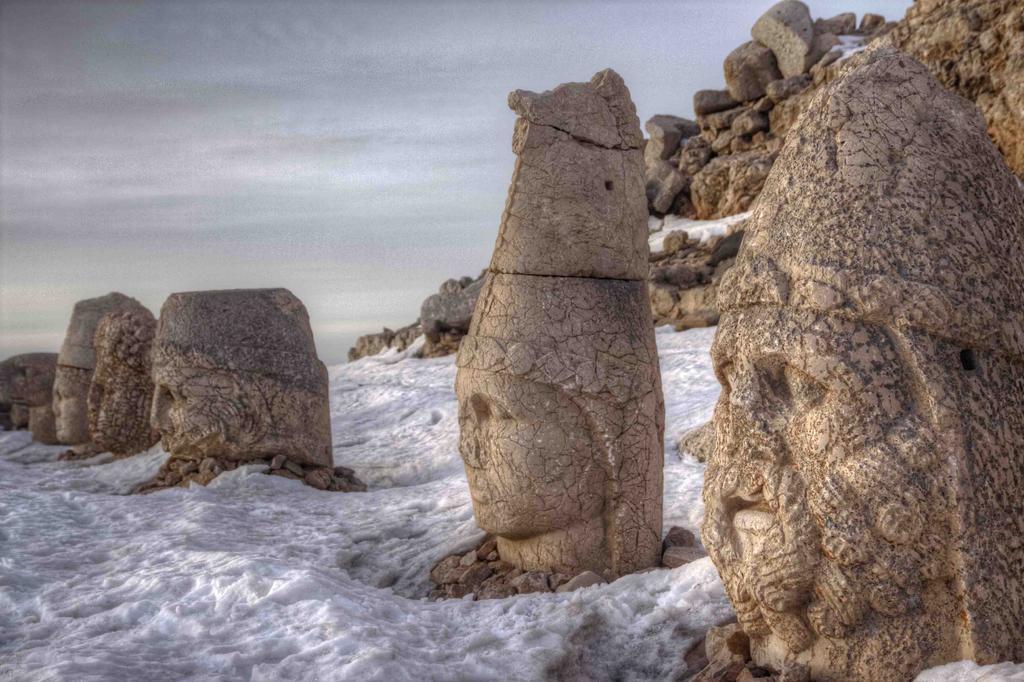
674, 557
786, 29
585, 579
749, 68
710, 101
785, 88
729, 184
675, 241
678, 536
531, 581
666, 132
840, 24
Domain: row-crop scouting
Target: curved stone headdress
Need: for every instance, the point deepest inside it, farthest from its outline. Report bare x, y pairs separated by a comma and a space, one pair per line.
77, 349
913, 228
260, 331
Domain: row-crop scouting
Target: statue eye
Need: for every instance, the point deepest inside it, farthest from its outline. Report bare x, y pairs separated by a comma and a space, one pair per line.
803, 389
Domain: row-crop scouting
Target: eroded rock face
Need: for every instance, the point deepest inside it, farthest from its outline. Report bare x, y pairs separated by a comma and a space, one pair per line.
121, 392
237, 378
27, 382
862, 497
560, 404
76, 362
976, 48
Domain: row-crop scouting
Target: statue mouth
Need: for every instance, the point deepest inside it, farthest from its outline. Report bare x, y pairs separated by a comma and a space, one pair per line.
752, 524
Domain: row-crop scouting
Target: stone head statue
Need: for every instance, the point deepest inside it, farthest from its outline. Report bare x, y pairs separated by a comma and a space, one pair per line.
121, 392
560, 405
76, 362
863, 501
237, 377
28, 383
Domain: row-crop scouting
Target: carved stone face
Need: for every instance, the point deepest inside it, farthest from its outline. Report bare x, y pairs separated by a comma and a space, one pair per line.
823, 512
70, 404
525, 446
202, 412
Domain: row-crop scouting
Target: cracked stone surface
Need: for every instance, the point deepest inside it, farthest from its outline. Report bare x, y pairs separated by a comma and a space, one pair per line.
121, 392
863, 499
578, 186
560, 405
237, 377
75, 364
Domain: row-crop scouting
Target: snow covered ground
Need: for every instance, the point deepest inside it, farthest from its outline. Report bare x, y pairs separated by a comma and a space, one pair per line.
259, 577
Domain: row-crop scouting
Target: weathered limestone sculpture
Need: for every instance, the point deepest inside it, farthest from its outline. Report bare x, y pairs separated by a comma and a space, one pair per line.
560, 403
121, 392
75, 365
238, 380
863, 501
28, 384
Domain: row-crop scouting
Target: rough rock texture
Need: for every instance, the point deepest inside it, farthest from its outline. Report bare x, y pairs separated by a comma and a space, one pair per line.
238, 378
863, 499
445, 316
976, 48
578, 188
748, 69
729, 184
787, 30
26, 383
666, 132
121, 392
560, 406
75, 365
371, 344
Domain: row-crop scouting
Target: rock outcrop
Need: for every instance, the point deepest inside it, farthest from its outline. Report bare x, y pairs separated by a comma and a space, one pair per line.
121, 392
560, 407
26, 385
976, 49
238, 380
445, 316
862, 496
75, 365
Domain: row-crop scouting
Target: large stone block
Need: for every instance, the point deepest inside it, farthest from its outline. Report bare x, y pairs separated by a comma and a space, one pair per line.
863, 496
237, 377
748, 69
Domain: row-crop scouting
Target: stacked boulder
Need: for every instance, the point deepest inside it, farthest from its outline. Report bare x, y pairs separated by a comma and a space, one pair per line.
715, 166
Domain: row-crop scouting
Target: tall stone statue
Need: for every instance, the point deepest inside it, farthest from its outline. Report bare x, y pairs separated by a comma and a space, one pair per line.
863, 503
121, 391
75, 365
27, 382
237, 377
560, 403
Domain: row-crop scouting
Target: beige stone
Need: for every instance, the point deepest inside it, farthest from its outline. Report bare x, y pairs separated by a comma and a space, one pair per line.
237, 377
863, 498
729, 184
560, 405
76, 362
748, 69
786, 29
121, 392
578, 186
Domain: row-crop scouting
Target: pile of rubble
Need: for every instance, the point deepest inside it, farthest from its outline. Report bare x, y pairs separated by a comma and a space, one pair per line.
181, 472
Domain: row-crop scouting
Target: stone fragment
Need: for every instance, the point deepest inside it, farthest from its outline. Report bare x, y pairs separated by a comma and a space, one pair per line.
786, 30
840, 24
727, 649
371, 344
295, 468
674, 557
278, 461
748, 69
121, 390
709, 101
666, 132
76, 362
785, 88
489, 547
749, 122
319, 478
560, 408
451, 309
678, 536
584, 579
674, 241
468, 559
869, 23
729, 184
530, 582
664, 183
862, 542
255, 388
722, 120
475, 574
722, 143
447, 570
694, 155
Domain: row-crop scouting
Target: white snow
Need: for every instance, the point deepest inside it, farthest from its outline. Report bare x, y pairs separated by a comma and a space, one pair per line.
969, 671
850, 45
260, 577
701, 230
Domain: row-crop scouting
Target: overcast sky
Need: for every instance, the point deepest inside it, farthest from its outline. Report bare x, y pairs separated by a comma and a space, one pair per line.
357, 153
